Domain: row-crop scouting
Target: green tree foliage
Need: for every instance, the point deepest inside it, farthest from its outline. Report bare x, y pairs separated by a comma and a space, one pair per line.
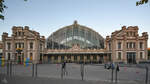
2, 7
141, 2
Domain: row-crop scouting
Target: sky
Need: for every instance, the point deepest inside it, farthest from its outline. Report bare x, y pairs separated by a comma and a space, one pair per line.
103, 16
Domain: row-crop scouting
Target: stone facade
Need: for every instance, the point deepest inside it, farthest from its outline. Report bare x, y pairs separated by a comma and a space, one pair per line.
127, 46
124, 46
30, 42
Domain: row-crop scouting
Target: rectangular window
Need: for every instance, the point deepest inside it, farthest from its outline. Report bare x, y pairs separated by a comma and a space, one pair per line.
40, 46
119, 55
19, 45
62, 58
134, 45
8, 46
141, 55
75, 57
109, 46
19, 33
16, 45
130, 45
41, 56
55, 57
88, 57
31, 55
22, 45
141, 45
119, 45
127, 45
94, 57
127, 34
8, 56
31, 45
81, 57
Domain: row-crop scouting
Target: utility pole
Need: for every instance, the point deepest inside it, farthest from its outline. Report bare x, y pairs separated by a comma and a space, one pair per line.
146, 81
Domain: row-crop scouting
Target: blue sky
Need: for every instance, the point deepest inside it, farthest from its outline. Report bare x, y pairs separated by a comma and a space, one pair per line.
47, 16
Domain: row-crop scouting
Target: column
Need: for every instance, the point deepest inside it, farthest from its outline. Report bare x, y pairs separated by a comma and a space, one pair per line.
85, 58
59, 59
98, 58
78, 58
72, 58
52, 57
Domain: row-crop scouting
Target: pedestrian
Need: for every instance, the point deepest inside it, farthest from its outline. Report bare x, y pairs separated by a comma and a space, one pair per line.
64, 67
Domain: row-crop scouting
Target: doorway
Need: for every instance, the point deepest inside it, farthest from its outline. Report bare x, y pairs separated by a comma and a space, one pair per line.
131, 57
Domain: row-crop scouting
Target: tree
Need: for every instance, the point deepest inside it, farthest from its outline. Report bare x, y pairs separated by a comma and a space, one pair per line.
141, 2
2, 7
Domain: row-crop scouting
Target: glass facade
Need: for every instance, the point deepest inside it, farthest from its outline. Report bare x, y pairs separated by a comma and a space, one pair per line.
75, 35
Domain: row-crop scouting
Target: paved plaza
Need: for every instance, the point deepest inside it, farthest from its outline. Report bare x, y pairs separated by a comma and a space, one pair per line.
92, 72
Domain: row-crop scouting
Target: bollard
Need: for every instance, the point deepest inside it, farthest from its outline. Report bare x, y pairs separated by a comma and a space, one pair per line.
36, 70
146, 80
8, 68
117, 69
32, 70
116, 76
62, 73
82, 71
112, 75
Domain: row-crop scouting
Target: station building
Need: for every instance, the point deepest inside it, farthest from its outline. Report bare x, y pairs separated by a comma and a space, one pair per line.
76, 43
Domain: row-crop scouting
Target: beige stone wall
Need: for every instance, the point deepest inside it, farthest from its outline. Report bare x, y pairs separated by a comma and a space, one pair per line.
125, 35
25, 36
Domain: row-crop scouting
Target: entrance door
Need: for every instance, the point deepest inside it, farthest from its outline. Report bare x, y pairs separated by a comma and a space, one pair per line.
131, 57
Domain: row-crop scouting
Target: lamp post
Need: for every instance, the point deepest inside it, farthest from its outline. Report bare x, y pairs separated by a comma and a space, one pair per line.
19, 50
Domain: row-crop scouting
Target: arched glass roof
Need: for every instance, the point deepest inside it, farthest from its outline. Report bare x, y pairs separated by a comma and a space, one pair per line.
75, 35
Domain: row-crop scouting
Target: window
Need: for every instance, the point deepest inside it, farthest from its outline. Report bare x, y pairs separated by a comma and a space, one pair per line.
88, 57
130, 33
31, 45
141, 45
22, 45
75, 57
94, 57
40, 46
41, 56
19, 45
19, 33
109, 46
130, 45
81, 57
55, 57
134, 34
31, 55
8, 46
69, 57
23, 33
127, 45
8, 56
134, 45
119, 45
16, 33
62, 57
141, 55
16, 45
119, 55
127, 34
